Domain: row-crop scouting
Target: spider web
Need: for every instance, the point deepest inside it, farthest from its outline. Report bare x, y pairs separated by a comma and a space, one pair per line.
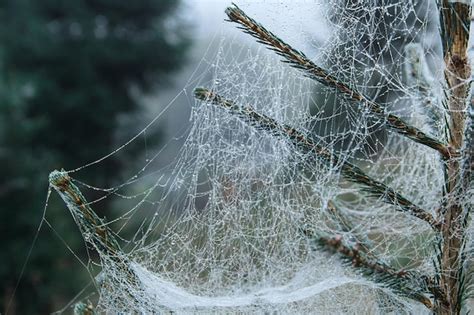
221, 227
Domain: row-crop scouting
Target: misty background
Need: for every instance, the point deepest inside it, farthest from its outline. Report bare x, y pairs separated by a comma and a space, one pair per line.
77, 80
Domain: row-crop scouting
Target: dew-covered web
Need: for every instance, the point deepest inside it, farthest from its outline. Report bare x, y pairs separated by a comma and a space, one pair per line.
229, 224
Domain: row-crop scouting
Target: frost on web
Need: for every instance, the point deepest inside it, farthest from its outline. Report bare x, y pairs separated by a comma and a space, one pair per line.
281, 165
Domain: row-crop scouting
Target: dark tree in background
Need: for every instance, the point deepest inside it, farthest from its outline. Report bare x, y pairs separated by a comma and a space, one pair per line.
66, 69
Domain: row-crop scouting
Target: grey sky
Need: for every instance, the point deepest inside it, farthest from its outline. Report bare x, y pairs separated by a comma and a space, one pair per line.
299, 22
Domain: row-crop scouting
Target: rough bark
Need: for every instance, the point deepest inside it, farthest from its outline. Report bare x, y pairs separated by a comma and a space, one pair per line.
455, 21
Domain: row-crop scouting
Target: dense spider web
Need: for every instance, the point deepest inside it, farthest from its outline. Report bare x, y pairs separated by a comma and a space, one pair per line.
220, 228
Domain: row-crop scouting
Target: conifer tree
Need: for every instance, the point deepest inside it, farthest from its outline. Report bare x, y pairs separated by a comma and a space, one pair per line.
443, 287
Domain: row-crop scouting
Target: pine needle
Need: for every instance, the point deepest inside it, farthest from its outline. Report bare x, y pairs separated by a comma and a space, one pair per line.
94, 230
405, 283
304, 144
298, 60
362, 240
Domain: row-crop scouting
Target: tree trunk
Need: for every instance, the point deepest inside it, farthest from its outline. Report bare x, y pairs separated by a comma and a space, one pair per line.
455, 21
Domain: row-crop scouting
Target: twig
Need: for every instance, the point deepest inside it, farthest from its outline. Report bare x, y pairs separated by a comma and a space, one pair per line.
83, 308
298, 60
306, 145
406, 283
87, 219
362, 241
94, 229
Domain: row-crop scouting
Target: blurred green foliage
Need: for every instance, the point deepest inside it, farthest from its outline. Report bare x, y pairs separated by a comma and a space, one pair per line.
66, 69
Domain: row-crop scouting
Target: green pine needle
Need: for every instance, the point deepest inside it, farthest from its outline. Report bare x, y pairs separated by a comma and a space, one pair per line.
298, 60
304, 144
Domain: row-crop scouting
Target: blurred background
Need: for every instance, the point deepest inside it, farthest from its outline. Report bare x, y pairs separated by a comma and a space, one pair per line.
73, 76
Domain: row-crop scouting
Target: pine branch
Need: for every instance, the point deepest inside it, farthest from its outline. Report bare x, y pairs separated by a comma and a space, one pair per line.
93, 227
363, 243
409, 284
307, 146
336, 213
82, 308
298, 60
94, 230
346, 226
